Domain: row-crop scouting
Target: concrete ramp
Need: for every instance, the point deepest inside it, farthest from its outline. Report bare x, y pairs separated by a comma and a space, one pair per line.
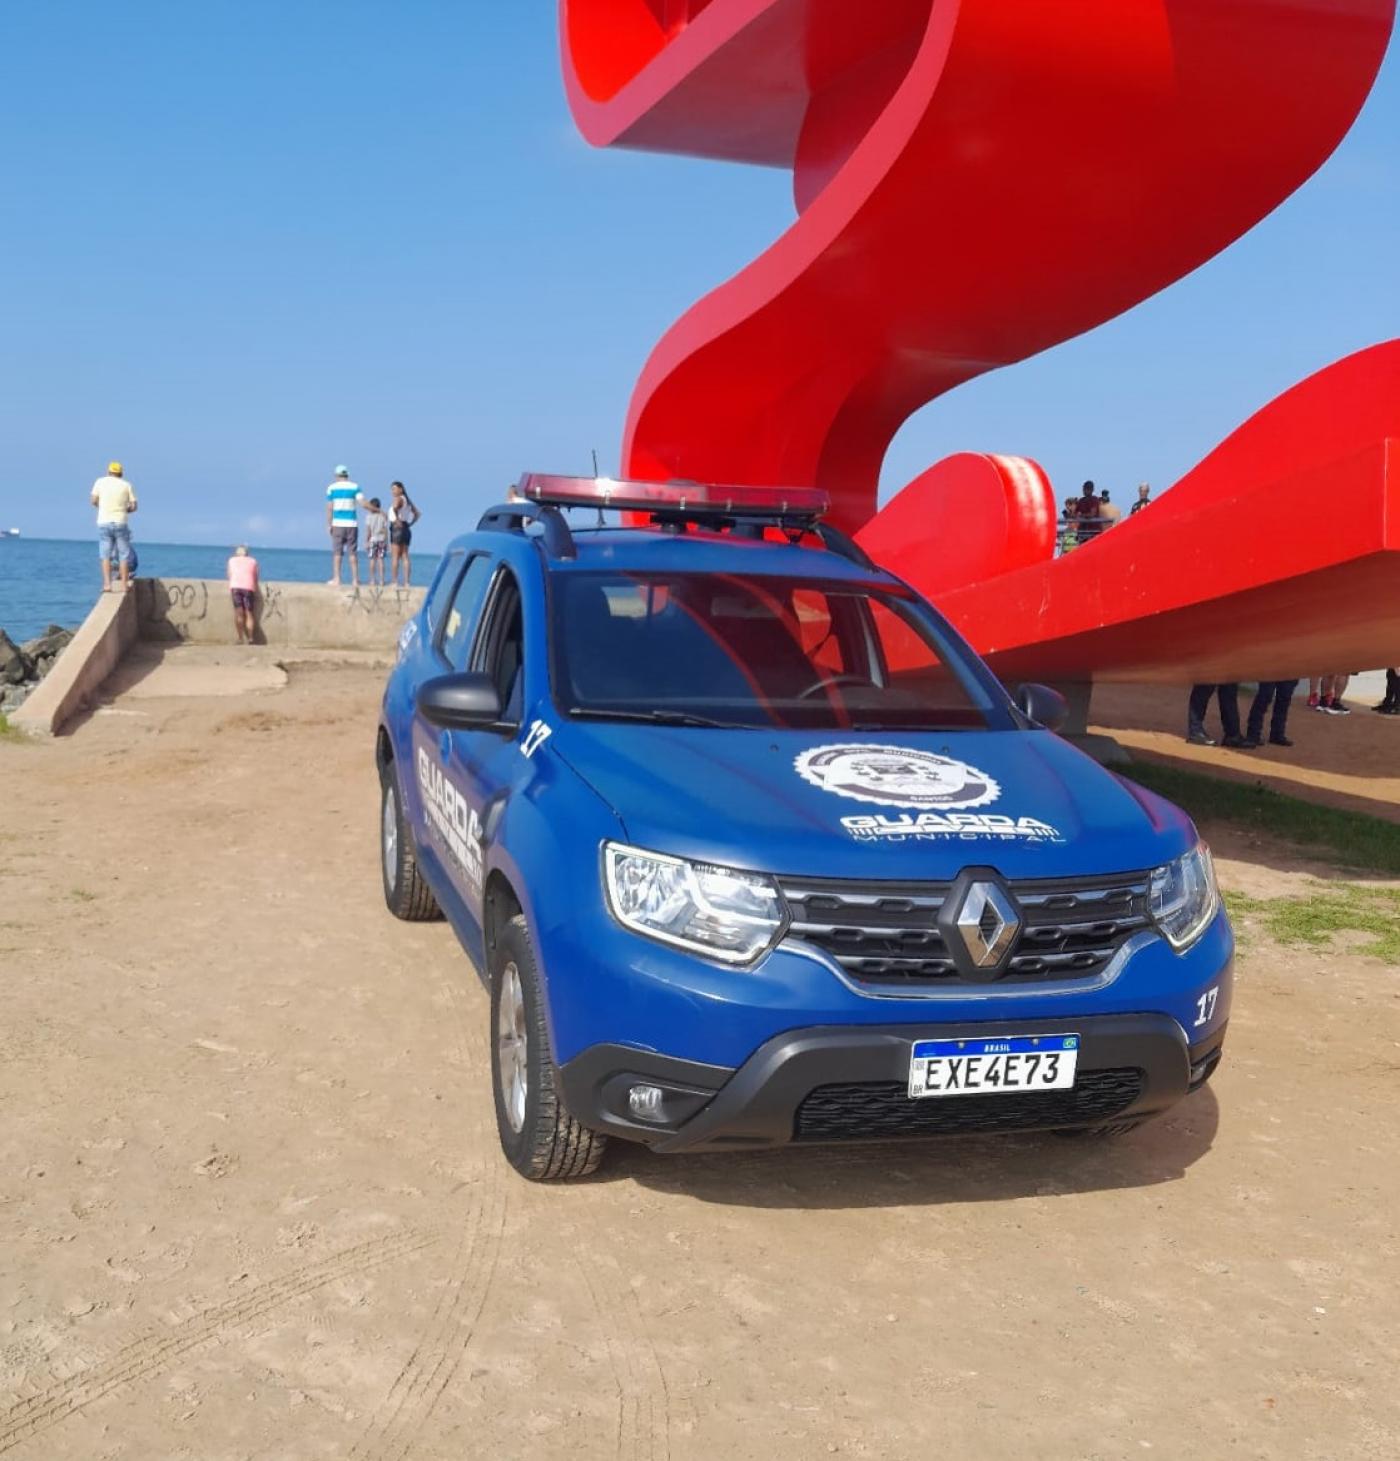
171, 638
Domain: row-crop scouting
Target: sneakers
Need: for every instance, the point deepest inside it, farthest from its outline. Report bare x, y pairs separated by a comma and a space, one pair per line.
1335, 707
1199, 738
1313, 703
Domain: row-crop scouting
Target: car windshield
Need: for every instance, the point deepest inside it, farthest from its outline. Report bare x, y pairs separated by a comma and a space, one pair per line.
720, 649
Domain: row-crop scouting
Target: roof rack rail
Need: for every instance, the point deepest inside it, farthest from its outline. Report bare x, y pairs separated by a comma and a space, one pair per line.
511, 517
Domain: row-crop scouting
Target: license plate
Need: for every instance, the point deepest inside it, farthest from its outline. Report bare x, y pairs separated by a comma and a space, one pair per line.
1006, 1065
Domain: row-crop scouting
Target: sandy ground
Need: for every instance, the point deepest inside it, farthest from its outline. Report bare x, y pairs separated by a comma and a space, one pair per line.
1350, 761
251, 1204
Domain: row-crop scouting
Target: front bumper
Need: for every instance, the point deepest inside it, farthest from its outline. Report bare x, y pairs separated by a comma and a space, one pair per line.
850, 1084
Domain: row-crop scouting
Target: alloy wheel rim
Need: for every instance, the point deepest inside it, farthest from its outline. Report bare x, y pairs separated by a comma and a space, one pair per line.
511, 1047
390, 838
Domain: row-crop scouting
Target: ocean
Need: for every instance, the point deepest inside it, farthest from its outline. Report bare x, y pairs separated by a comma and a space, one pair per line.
47, 581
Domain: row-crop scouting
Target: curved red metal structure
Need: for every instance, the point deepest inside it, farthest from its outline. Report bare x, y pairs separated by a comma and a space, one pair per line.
976, 180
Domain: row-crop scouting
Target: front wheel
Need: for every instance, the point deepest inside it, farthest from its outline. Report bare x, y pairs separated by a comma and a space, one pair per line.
405, 891
538, 1136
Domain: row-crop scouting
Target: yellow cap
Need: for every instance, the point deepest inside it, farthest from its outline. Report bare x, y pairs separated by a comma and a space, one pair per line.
114, 469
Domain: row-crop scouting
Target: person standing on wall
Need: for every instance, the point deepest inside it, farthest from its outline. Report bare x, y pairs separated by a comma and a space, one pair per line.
115, 501
1144, 497
402, 516
376, 541
343, 499
243, 586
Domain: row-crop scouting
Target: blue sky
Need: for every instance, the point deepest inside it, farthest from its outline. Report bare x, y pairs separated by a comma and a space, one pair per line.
244, 242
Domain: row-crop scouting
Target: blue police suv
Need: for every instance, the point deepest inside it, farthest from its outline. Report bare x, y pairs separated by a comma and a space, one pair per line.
750, 848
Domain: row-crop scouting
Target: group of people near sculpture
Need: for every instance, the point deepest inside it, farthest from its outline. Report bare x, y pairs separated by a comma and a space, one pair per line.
1272, 702
1094, 512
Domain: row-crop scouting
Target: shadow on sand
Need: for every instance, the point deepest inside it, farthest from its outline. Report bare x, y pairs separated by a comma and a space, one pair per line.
933, 1172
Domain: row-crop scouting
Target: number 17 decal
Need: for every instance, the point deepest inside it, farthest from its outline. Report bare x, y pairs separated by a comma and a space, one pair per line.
1205, 1005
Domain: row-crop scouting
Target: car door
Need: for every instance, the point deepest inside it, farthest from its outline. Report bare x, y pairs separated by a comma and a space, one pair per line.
484, 764
443, 825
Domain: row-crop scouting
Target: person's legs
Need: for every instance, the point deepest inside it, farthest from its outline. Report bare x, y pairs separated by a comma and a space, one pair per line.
1283, 703
123, 541
1229, 696
335, 560
1333, 688
104, 551
1390, 705
237, 614
1196, 709
1259, 708
395, 553
407, 569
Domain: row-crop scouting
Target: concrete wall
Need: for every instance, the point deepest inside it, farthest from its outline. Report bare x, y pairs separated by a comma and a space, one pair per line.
295, 615
77, 674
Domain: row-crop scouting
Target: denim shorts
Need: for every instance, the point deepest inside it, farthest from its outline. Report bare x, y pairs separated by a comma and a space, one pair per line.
114, 538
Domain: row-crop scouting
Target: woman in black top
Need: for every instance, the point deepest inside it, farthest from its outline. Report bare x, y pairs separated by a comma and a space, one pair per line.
402, 515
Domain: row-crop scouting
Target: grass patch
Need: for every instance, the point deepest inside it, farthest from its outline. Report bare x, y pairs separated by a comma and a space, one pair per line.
1316, 918
9, 732
1354, 839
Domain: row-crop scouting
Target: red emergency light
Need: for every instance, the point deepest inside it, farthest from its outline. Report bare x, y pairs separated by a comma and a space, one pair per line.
699, 499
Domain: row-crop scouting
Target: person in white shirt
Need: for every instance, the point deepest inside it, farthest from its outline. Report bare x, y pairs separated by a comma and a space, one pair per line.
115, 501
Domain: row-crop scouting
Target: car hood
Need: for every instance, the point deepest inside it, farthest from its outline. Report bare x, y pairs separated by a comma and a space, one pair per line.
873, 804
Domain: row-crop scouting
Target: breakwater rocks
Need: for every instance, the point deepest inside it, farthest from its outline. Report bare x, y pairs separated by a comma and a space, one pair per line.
22, 666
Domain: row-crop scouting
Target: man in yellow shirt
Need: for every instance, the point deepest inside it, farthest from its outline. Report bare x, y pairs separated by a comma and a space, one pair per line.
115, 501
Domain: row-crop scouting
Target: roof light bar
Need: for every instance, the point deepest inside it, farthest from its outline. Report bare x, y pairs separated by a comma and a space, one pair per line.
697, 498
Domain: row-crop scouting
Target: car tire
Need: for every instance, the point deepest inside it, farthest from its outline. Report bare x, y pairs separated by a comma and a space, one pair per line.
539, 1137
406, 893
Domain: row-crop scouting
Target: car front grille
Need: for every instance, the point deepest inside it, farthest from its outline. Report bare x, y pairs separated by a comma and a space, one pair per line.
882, 1110
887, 935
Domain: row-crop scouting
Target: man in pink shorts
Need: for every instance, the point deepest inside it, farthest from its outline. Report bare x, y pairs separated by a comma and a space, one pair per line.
243, 585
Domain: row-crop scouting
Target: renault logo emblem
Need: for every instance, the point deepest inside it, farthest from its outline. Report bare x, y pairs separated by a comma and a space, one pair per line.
987, 923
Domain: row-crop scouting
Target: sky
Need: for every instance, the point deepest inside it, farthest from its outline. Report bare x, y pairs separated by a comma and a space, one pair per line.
241, 243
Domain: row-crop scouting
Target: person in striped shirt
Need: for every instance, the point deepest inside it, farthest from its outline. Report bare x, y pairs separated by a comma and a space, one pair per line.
343, 499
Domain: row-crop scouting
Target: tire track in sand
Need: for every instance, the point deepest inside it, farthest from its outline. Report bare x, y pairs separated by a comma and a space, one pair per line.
154, 1352
443, 1345
437, 1357
645, 1409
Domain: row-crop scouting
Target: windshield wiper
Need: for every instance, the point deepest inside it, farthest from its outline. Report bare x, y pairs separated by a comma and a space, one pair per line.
652, 717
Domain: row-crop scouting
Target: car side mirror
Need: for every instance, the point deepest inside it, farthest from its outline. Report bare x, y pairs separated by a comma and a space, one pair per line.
1043, 705
466, 701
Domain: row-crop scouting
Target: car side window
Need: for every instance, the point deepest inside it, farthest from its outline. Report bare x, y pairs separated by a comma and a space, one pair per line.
459, 627
440, 595
500, 647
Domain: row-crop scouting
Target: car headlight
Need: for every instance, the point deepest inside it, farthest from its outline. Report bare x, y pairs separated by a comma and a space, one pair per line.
716, 911
1185, 897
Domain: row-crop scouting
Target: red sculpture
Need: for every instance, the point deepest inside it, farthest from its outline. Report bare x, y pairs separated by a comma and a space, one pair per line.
977, 180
